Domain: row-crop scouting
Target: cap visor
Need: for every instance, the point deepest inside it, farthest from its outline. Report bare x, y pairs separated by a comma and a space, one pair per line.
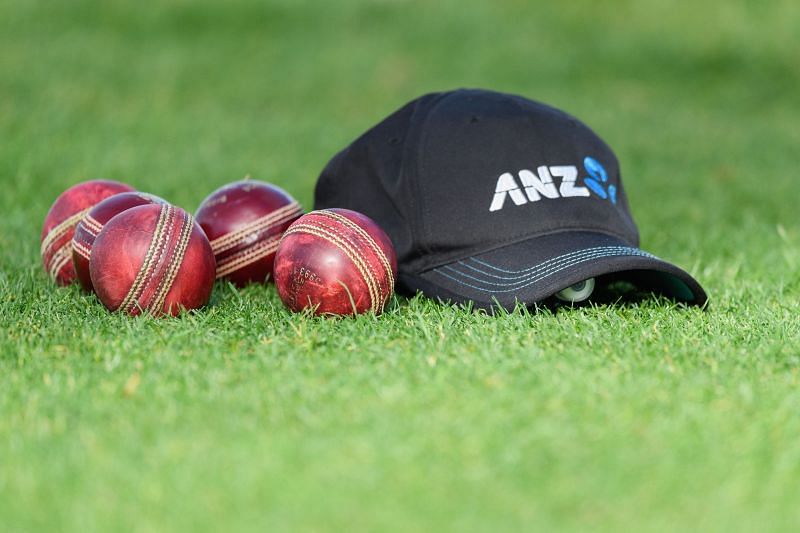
532, 271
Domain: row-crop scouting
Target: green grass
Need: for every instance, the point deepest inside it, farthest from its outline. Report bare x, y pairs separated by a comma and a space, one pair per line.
244, 417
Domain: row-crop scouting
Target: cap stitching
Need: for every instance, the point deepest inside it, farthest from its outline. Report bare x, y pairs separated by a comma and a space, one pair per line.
532, 270
542, 276
515, 239
566, 261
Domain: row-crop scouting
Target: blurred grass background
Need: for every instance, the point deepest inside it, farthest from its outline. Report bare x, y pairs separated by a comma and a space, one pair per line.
244, 417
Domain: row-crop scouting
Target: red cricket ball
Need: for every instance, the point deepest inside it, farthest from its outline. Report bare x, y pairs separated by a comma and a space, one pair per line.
244, 221
92, 223
152, 258
337, 262
64, 215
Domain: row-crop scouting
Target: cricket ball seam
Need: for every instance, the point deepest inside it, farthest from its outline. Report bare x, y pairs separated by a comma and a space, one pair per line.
353, 241
60, 229
163, 264
60, 259
90, 225
357, 248
137, 286
82, 249
247, 256
160, 259
277, 217
56, 260
354, 256
368, 238
157, 304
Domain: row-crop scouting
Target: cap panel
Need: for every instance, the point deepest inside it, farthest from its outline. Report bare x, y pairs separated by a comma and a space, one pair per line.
495, 169
331, 190
369, 177
583, 134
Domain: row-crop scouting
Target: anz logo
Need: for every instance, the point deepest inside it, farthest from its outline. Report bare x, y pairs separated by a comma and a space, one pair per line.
542, 185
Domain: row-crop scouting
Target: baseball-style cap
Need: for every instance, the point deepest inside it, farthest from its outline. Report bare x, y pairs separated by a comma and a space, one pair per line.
496, 199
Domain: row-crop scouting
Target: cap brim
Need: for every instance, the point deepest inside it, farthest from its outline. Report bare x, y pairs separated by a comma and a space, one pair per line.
532, 271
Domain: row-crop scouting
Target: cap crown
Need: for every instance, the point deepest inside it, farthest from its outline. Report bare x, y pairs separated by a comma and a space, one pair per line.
451, 175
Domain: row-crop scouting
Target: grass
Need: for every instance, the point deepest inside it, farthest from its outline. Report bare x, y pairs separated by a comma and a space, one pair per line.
244, 417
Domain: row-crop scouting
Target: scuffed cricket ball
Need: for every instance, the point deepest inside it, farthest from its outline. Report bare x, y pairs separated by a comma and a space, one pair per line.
244, 221
335, 262
59, 224
92, 224
152, 259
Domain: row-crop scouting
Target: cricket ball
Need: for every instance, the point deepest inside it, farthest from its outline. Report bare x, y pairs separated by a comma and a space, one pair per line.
244, 222
335, 262
59, 225
152, 259
92, 224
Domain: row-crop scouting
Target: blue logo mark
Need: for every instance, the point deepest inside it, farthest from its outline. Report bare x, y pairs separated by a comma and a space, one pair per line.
597, 180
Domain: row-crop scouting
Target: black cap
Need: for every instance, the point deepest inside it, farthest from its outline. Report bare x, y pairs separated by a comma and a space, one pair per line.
496, 199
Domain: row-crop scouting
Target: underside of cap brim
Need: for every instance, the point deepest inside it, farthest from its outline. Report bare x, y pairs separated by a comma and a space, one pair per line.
532, 271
